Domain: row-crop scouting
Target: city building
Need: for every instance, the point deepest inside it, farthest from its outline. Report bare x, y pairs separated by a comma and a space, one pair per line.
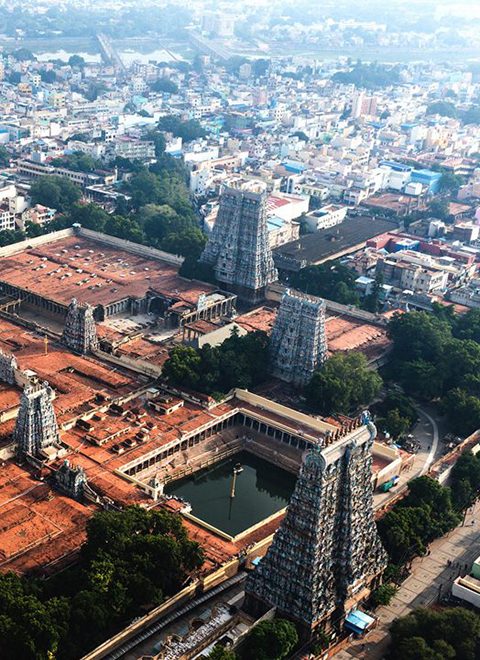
298, 344
238, 248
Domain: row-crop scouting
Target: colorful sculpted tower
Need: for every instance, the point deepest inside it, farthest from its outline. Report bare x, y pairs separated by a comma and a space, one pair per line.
298, 345
36, 426
71, 479
326, 554
8, 367
79, 332
238, 248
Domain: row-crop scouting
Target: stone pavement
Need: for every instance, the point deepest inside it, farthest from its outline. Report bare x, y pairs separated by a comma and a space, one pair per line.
431, 577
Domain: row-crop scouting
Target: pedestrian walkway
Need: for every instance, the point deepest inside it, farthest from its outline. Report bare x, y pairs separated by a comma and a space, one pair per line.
431, 579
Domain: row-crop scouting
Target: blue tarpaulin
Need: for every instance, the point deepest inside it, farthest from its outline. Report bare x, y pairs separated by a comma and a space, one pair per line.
358, 622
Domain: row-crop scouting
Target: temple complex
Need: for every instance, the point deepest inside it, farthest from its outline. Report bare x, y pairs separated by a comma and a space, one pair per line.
326, 554
80, 333
238, 248
298, 344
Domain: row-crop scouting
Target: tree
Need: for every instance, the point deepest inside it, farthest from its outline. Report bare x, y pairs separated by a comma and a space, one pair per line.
439, 209
471, 116
182, 367
330, 280
187, 130
343, 383
77, 161
467, 326
55, 192
394, 424
450, 182
23, 55
270, 640
30, 627
158, 139
442, 108
219, 652
425, 514
125, 228
418, 335
76, 61
137, 556
260, 67
238, 362
435, 635
395, 400
4, 157
9, 236
383, 595
301, 136
462, 411
465, 480
164, 85
48, 76
371, 302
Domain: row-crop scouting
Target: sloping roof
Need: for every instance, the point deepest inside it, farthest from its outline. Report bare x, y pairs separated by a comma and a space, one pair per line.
327, 243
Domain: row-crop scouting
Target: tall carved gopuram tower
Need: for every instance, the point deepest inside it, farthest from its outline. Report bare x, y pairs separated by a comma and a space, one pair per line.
238, 248
79, 332
36, 426
326, 555
298, 345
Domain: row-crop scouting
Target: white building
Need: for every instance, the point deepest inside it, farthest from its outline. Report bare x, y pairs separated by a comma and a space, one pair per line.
325, 217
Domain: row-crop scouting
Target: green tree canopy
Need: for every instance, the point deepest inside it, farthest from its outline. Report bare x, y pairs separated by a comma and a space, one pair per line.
219, 652
343, 383
77, 161
439, 208
270, 640
465, 480
462, 410
30, 627
55, 192
164, 85
4, 157
238, 362
394, 423
418, 335
330, 280
451, 182
425, 514
442, 108
188, 130
76, 61
435, 635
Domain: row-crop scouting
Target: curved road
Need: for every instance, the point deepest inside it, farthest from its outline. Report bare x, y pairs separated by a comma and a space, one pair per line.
434, 444
427, 433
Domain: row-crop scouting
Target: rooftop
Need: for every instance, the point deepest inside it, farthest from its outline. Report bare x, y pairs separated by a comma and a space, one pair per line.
94, 273
328, 243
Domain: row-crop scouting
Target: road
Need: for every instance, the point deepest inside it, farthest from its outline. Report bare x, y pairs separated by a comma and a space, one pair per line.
434, 444
431, 576
427, 432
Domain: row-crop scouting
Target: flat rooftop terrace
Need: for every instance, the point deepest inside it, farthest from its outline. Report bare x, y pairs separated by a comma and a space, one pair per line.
78, 381
329, 243
94, 273
344, 332
39, 527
